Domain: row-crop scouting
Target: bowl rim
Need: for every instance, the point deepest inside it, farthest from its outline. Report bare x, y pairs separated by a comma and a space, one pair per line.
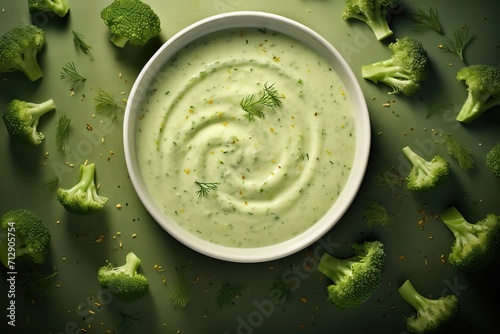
298, 31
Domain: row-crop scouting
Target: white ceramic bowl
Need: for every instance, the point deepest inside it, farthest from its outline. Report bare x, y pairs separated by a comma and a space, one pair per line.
249, 19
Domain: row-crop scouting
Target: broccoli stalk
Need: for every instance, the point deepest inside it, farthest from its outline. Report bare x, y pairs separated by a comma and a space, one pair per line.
60, 7
404, 70
21, 120
355, 279
32, 236
475, 245
372, 12
431, 313
425, 174
123, 281
19, 48
82, 198
131, 21
483, 87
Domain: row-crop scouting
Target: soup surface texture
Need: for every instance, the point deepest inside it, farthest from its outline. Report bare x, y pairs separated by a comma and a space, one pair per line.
246, 137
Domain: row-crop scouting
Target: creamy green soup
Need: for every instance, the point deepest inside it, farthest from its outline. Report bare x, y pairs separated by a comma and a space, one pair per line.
237, 180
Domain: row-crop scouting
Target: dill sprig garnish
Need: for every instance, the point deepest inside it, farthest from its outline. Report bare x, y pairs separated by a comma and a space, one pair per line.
374, 214
440, 105
281, 290
457, 43
227, 293
37, 284
459, 152
62, 131
253, 108
386, 175
179, 293
78, 40
106, 104
128, 320
50, 184
70, 73
426, 19
205, 187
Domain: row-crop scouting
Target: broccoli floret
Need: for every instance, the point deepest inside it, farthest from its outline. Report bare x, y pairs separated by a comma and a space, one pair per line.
60, 7
425, 174
32, 236
431, 313
493, 160
372, 12
483, 87
404, 71
19, 48
21, 120
475, 245
354, 279
131, 20
83, 197
124, 282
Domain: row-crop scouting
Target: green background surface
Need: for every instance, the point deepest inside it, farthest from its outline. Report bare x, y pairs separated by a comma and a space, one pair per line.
81, 244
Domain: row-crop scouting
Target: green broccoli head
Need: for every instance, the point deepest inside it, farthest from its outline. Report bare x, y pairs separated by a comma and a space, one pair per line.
354, 279
483, 87
475, 245
32, 236
404, 71
131, 21
424, 174
493, 160
124, 282
372, 12
82, 198
60, 7
19, 48
431, 313
21, 120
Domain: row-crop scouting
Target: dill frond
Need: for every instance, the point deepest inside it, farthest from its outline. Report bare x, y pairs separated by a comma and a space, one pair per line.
457, 42
37, 284
375, 214
459, 152
253, 108
105, 104
179, 293
426, 19
205, 188
78, 40
69, 72
386, 175
62, 131
50, 184
227, 293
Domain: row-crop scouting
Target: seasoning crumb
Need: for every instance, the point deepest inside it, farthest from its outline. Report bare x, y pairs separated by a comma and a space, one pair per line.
134, 235
118, 206
401, 257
